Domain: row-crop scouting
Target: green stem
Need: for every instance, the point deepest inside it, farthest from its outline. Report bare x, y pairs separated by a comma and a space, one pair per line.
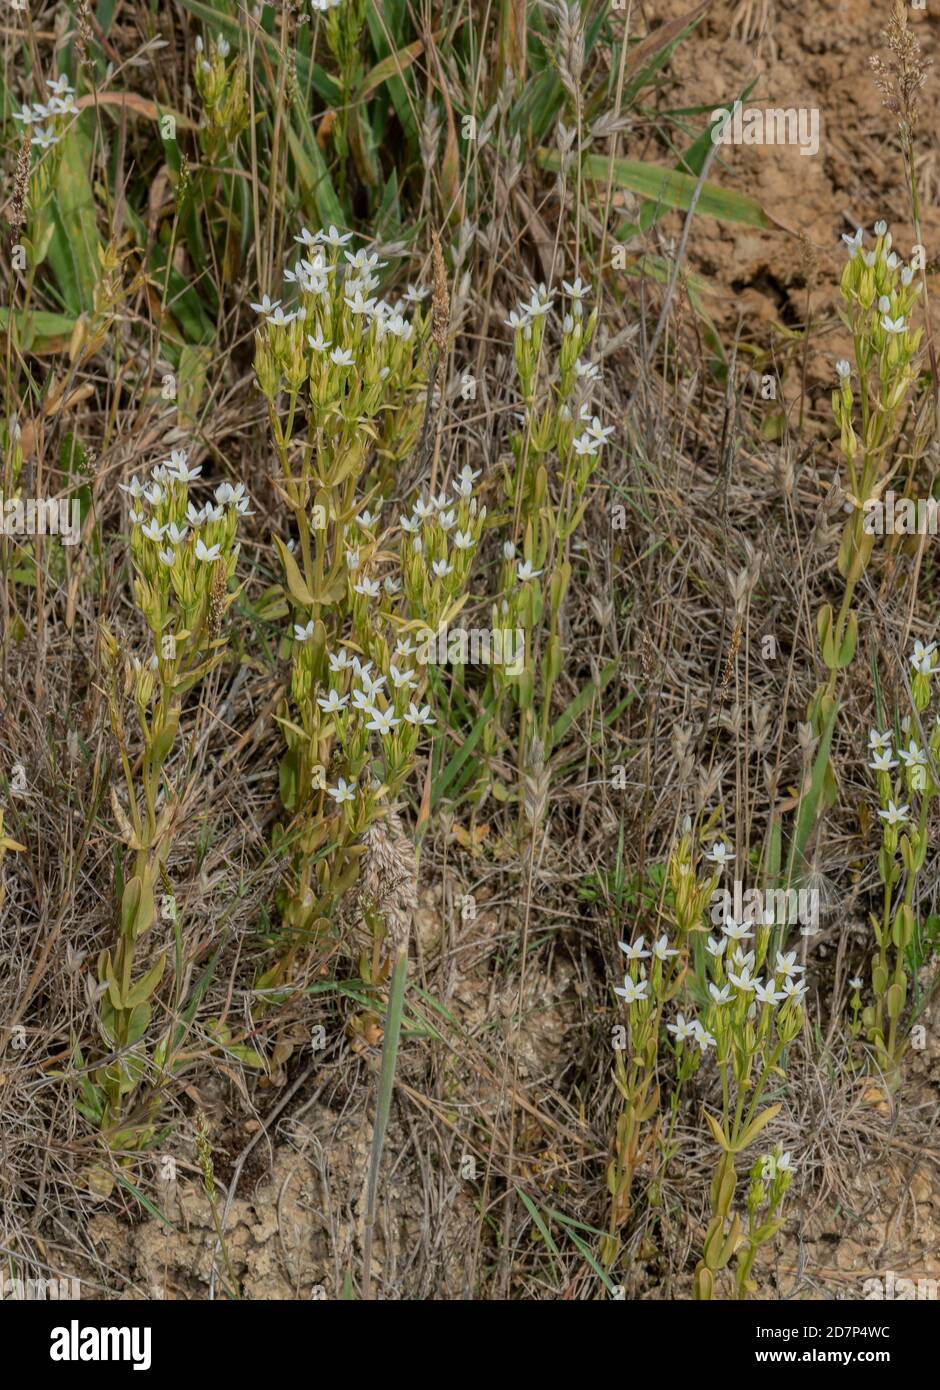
393, 1016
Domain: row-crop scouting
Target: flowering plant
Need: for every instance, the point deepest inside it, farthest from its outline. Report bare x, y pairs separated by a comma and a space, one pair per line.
184, 559
341, 373
906, 784
547, 504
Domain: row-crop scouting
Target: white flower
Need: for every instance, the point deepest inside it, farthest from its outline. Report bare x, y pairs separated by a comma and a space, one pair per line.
586, 371
167, 557
525, 572
180, 471
766, 992
856, 982
703, 1037
716, 948
876, 740
883, 761
540, 302
340, 661
463, 540
26, 116
441, 569
402, 680
410, 524
371, 684
359, 305
404, 647
368, 519
913, 756
153, 531
923, 658
784, 1164
742, 980
720, 854
333, 702
136, 517
509, 550
633, 990
361, 701
793, 989
682, 1028
370, 588
637, 951
341, 357
907, 275
737, 931
891, 325
880, 228
600, 432
463, 485
576, 291
133, 488
844, 370
661, 949
447, 520
362, 260
884, 305
853, 242
343, 791
267, 305
278, 319
318, 343
333, 237
352, 559
720, 996
894, 815
586, 444
391, 585
383, 721
518, 319
175, 535
194, 515
208, 553
423, 509
418, 716
44, 138
399, 327
786, 964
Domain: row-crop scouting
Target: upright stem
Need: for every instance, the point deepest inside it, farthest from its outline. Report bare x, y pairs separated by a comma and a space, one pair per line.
393, 1013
